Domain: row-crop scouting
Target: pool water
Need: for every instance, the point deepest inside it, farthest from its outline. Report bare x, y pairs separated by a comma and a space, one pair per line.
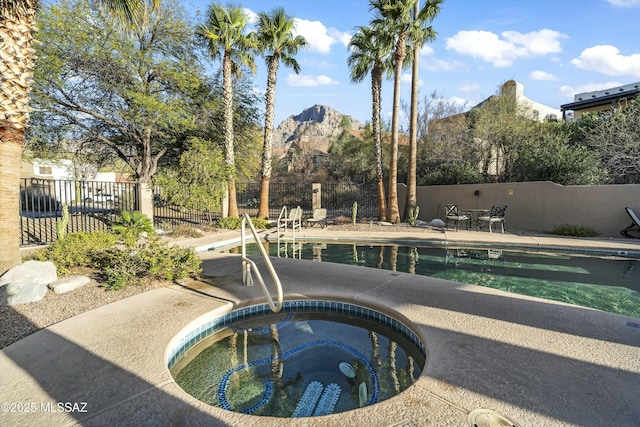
609, 283
301, 363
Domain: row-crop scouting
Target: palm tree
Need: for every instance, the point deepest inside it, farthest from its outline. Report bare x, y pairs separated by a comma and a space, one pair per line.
223, 34
396, 16
276, 38
370, 53
17, 30
419, 35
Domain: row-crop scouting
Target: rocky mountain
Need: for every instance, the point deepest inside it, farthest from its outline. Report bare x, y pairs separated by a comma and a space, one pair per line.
316, 125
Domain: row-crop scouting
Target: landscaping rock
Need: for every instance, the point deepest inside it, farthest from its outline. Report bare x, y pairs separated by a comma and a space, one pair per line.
36, 272
26, 282
21, 293
67, 284
436, 223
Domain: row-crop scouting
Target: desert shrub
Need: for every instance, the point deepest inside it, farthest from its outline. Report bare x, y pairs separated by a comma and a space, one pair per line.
233, 223
186, 231
153, 259
575, 230
76, 250
130, 226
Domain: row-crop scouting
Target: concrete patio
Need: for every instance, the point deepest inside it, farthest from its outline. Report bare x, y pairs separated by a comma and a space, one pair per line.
537, 362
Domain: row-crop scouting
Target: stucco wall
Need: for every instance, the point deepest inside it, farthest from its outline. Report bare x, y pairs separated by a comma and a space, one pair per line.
536, 206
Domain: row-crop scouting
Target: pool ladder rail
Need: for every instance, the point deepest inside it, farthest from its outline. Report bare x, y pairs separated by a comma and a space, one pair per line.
249, 267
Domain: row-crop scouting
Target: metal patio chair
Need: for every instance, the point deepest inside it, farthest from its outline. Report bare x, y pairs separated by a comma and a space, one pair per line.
496, 215
452, 214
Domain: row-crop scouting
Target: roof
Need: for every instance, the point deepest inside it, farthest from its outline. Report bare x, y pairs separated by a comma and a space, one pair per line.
602, 97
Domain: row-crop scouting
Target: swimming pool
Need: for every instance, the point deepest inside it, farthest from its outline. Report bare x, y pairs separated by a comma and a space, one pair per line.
609, 282
315, 357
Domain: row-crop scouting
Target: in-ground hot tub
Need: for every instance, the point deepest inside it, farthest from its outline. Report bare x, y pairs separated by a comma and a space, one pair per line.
314, 357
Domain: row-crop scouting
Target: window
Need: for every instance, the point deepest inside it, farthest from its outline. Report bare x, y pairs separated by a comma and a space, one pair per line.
45, 170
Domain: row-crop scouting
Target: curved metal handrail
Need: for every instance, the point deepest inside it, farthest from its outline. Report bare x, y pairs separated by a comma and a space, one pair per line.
247, 279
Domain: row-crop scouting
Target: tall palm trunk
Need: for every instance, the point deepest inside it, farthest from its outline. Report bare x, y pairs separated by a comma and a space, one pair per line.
411, 200
270, 101
229, 155
376, 91
17, 29
393, 210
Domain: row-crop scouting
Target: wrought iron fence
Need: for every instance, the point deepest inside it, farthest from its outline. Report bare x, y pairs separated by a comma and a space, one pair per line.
92, 205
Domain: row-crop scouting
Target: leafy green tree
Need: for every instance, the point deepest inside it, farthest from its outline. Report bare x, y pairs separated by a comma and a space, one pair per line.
617, 139
370, 54
224, 35
546, 155
129, 91
198, 181
350, 159
277, 40
17, 57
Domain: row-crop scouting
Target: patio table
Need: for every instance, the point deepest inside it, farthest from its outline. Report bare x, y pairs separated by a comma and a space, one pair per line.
474, 214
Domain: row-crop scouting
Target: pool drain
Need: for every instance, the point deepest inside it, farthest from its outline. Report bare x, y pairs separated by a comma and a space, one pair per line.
489, 418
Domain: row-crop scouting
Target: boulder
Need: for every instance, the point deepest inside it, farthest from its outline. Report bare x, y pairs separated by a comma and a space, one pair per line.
437, 223
21, 293
36, 272
26, 282
67, 284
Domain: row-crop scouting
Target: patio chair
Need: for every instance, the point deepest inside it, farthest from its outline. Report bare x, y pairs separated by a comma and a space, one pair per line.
452, 214
319, 217
634, 227
495, 215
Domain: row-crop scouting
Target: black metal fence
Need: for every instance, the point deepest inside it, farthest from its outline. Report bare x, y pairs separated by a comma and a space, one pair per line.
92, 205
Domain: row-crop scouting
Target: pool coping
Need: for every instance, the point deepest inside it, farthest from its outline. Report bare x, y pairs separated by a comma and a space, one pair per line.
536, 361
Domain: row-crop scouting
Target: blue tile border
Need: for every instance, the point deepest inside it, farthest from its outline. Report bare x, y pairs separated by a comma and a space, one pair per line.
200, 332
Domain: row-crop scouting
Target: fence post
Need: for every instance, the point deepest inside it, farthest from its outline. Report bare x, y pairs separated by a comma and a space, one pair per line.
145, 199
316, 196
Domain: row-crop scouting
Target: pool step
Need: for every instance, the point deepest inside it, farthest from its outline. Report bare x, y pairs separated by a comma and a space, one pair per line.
308, 400
328, 400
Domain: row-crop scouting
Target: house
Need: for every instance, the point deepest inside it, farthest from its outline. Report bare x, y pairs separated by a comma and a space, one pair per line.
599, 101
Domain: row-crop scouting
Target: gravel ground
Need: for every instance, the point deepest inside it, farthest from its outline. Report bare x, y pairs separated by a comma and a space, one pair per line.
19, 321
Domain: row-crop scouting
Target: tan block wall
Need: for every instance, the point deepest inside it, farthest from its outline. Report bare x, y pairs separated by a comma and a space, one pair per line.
536, 206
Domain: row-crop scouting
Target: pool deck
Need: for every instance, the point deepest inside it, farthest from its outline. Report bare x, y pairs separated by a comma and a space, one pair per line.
537, 362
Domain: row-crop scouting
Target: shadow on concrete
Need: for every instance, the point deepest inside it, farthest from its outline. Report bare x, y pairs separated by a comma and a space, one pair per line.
573, 391
109, 394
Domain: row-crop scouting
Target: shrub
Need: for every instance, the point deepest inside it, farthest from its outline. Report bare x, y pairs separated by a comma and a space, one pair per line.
186, 231
77, 249
575, 230
233, 223
130, 225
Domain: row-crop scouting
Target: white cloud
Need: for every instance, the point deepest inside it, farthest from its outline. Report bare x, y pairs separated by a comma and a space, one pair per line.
433, 64
502, 52
468, 87
569, 91
460, 102
606, 59
426, 50
341, 37
319, 38
253, 17
542, 75
309, 80
625, 3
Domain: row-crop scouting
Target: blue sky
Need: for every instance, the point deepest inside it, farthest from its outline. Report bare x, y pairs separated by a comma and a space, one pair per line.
555, 48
